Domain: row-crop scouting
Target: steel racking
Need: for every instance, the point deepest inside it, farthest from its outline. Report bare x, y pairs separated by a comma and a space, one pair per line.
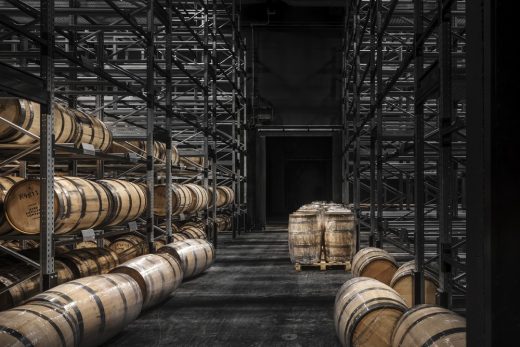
404, 161
163, 70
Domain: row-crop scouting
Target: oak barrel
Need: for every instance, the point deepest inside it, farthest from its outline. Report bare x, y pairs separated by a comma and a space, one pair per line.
38, 325
179, 237
158, 275
89, 261
199, 198
25, 114
26, 280
127, 199
429, 325
91, 130
374, 263
339, 237
226, 196
102, 305
193, 232
78, 204
402, 282
304, 238
128, 247
366, 312
5, 184
181, 199
196, 255
91, 244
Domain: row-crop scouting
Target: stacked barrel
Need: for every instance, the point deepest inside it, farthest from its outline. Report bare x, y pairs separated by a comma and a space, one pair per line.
321, 231
139, 147
70, 125
375, 308
190, 198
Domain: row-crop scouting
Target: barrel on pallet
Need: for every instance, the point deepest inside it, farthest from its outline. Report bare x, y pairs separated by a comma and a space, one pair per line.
366, 312
339, 237
429, 325
158, 275
374, 263
103, 305
25, 282
128, 247
38, 324
79, 204
193, 232
402, 282
181, 199
89, 261
196, 255
199, 198
304, 238
21, 112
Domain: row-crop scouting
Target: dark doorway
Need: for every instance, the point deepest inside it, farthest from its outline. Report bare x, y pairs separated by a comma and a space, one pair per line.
299, 170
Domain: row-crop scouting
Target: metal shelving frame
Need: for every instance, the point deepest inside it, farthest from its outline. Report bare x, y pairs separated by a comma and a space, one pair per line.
404, 161
162, 70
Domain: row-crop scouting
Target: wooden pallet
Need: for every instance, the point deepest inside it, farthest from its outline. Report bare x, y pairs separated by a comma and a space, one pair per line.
323, 265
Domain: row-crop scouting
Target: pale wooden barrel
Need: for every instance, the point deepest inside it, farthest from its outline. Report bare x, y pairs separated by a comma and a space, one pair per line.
158, 275
5, 184
139, 147
17, 245
92, 131
199, 198
91, 244
25, 114
128, 201
366, 312
316, 209
78, 204
66, 127
175, 156
128, 247
38, 324
304, 237
227, 196
196, 255
402, 282
428, 325
339, 237
193, 232
179, 237
30, 286
102, 305
221, 222
89, 261
192, 162
374, 263
160, 242
181, 199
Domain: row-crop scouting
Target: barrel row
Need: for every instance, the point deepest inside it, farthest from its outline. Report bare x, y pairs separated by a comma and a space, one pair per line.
91, 310
369, 313
79, 204
70, 125
378, 264
321, 231
139, 147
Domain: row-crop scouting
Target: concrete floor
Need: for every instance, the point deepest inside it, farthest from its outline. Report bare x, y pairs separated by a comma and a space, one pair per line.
252, 296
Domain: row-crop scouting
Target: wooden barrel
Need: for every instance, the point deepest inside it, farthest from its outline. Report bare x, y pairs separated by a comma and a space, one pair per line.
38, 324
226, 196
374, 263
25, 114
304, 238
196, 255
199, 198
221, 222
89, 261
91, 244
339, 237
192, 162
179, 237
26, 281
139, 147
127, 199
402, 282
428, 325
181, 199
366, 312
128, 247
78, 204
66, 127
93, 131
158, 275
175, 156
193, 232
102, 305
17, 245
160, 242
5, 184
